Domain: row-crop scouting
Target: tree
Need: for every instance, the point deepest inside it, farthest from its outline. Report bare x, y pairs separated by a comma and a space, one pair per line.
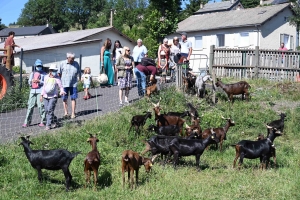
193, 6
250, 3
2, 26
39, 12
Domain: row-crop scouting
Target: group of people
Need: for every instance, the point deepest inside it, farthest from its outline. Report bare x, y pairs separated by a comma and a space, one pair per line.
45, 88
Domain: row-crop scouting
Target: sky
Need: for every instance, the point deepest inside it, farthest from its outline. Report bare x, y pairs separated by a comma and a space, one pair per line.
11, 10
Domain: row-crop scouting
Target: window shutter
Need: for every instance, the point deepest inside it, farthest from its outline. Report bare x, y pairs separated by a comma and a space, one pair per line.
292, 42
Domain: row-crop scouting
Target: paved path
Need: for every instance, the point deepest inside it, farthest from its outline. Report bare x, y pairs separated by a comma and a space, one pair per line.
104, 100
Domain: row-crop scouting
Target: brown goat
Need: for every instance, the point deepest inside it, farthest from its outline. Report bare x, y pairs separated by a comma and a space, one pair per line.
164, 120
241, 87
92, 161
220, 132
193, 129
152, 88
131, 161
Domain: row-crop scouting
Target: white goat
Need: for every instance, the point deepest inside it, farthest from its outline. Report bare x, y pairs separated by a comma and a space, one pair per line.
200, 84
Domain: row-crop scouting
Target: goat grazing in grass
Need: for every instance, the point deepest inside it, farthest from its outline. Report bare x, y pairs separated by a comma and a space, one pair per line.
256, 149
220, 132
139, 121
92, 161
278, 124
131, 161
55, 159
200, 84
241, 87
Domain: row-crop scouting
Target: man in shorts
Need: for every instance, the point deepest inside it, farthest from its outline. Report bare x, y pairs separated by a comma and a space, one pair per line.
186, 46
69, 71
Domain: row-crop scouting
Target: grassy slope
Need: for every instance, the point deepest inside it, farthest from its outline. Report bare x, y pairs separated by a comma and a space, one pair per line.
217, 180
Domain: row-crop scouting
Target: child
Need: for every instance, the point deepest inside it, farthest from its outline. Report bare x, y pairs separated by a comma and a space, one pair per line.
50, 94
163, 65
36, 81
86, 78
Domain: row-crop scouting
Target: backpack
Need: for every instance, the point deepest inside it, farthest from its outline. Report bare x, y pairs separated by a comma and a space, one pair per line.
49, 86
36, 75
147, 61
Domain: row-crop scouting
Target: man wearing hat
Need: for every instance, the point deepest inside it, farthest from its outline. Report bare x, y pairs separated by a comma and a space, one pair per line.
36, 82
69, 71
186, 46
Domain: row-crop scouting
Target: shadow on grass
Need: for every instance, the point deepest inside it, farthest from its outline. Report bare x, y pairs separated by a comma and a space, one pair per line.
105, 180
3, 161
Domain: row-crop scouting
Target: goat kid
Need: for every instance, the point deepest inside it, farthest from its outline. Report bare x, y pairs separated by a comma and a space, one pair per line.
256, 149
241, 87
183, 147
152, 89
131, 161
193, 111
220, 132
55, 159
139, 121
92, 161
278, 124
200, 84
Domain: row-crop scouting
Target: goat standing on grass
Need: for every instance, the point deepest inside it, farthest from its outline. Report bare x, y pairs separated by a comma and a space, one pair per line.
131, 161
92, 161
200, 84
139, 121
273, 149
278, 124
241, 87
55, 159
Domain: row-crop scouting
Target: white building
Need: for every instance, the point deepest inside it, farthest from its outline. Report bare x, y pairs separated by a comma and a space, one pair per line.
263, 26
52, 48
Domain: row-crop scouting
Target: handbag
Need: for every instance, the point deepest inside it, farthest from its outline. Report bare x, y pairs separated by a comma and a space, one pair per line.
102, 79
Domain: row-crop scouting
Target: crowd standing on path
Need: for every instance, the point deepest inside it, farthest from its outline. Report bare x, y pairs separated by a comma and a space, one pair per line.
125, 65
69, 71
106, 64
36, 82
49, 94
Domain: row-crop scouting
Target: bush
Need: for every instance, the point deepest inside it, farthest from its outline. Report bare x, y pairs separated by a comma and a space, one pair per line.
16, 70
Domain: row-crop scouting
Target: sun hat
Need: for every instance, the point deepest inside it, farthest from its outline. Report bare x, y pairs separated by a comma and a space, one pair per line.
53, 67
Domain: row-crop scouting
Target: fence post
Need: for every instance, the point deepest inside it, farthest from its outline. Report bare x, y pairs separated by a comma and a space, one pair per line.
80, 62
256, 61
21, 68
211, 71
8, 58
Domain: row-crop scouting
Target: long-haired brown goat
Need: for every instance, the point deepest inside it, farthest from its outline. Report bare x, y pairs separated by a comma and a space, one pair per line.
131, 161
92, 161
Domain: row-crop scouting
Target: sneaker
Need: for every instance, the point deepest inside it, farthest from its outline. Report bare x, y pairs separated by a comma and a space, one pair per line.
120, 104
126, 103
54, 125
41, 125
24, 125
73, 116
47, 128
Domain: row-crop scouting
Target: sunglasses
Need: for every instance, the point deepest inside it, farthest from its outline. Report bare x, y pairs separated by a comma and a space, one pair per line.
128, 50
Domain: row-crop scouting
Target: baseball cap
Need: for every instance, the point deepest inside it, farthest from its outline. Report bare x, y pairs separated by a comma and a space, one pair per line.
184, 33
38, 62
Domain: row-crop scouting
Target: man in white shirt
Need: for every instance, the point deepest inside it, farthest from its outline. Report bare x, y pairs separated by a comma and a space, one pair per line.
186, 46
139, 52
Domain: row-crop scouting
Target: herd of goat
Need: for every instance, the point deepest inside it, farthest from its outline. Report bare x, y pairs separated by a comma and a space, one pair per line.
172, 139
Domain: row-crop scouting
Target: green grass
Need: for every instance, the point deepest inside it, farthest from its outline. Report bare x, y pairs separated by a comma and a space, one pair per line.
217, 179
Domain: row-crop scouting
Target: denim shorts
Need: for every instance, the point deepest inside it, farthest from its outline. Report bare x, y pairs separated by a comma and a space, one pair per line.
72, 91
86, 85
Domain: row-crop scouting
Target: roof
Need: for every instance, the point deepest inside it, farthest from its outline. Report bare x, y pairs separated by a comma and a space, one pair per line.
61, 39
280, 1
24, 31
230, 19
217, 6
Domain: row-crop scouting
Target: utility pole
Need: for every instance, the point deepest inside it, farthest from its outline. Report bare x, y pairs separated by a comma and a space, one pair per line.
111, 16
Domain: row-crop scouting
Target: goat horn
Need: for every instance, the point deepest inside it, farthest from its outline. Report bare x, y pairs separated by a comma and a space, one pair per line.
269, 126
192, 114
153, 158
158, 101
187, 126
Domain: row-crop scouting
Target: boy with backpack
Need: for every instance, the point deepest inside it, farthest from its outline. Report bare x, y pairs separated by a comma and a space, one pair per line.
49, 94
36, 81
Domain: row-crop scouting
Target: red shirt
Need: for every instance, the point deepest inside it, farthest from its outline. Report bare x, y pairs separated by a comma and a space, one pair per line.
147, 70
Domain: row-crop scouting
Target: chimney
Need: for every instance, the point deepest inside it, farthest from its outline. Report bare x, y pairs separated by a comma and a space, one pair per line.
201, 5
261, 2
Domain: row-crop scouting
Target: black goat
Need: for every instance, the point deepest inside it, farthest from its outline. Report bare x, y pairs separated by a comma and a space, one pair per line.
278, 124
193, 111
170, 130
256, 149
179, 114
49, 159
139, 120
184, 147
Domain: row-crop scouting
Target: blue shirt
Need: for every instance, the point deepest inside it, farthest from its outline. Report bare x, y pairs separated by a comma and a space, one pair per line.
185, 46
41, 83
69, 73
139, 53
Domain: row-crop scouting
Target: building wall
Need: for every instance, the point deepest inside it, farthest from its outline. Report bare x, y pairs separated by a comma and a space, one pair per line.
271, 30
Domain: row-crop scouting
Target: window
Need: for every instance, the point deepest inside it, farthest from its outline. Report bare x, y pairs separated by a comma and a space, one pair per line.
198, 42
288, 40
244, 39
220, 40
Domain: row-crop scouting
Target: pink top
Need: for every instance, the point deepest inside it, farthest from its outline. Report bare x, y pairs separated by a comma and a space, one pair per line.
55, 94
